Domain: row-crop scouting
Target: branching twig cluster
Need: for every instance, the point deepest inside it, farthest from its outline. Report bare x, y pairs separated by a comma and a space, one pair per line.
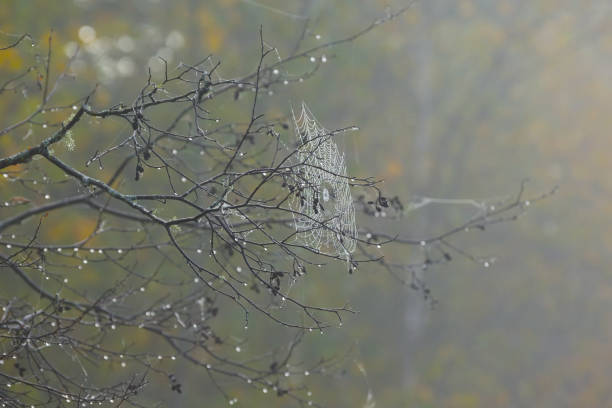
192, 219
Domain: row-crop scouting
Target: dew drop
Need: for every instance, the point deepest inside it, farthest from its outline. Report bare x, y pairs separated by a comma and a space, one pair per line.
325, 195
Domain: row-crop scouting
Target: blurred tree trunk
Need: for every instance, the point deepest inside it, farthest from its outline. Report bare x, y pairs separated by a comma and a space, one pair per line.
420, 168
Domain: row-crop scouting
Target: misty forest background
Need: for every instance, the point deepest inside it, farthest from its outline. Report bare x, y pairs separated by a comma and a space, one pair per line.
458, 99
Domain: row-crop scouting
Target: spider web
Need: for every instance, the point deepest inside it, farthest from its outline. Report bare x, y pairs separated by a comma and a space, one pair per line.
322, 205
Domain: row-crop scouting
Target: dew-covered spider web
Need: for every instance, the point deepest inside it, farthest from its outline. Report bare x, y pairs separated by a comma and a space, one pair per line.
322, 205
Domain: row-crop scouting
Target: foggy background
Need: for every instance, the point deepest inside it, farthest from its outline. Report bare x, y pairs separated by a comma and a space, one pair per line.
459, 99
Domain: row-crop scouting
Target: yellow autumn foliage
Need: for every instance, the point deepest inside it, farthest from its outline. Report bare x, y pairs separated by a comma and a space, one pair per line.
212, 33
10, 60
